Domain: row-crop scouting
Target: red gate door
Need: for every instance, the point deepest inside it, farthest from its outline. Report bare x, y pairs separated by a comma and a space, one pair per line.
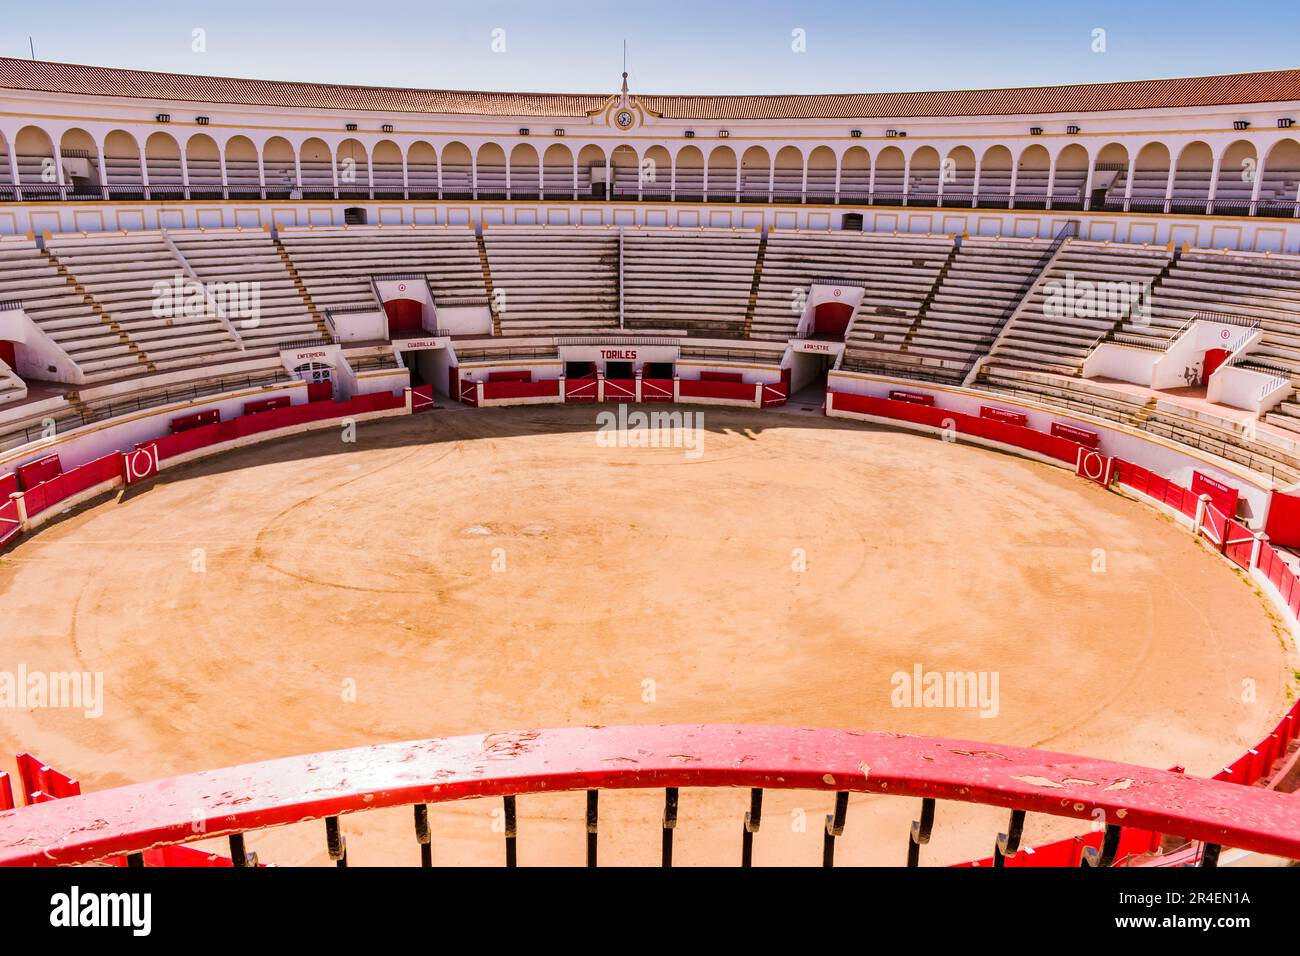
580, 389
656, 390
620, 390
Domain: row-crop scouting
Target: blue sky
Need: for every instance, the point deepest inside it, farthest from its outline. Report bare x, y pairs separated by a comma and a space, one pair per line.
674, 47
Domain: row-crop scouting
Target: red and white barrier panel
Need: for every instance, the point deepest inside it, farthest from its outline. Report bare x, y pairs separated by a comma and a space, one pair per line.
581, 389
656, 390
775, 393
422, 398
620, 390
1095, 466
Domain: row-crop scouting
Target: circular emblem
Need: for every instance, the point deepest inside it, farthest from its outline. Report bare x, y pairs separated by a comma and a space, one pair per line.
837, 292
401, 287
623, 119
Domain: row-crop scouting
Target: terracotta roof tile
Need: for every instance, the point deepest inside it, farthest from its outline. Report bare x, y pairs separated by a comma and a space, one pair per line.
1263, 87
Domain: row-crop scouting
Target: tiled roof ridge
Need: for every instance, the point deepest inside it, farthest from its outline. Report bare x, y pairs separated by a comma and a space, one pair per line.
1216, 90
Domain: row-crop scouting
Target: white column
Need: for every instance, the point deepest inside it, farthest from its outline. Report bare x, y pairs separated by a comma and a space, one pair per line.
1087, 183
803, 186
221, 164
185, 171
1169, 183
740, 166
871, 182
297, 169
261, 172
1214, 183
1015, 176
144, 173
507, 178
575, 177
975, 186
473, 174
609, 177
13, 167
334, 172
839, 163
1129, 168
1051, 180
406, 178
103, 171
370, 175
771, 181
907, 177
672, 180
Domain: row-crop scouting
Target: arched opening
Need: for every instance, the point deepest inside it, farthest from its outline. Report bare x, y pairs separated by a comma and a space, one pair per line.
1280, 189
557, 172
821, 175
457, 172
386, 170
1193, 174
592, 175
656, 173
162, 158
242, 180
80, 165
923, 178
689, 172
1033, 169
353, 165
755, 174
787, 177
722, 174
490, 171
203, 160
994, 178
7, 185
122, 166
1071, 178
317, 169
957, 174
1238, 170
422, 171
279, 169
1150, 178
855, 175
525, 175
890, 169
37, 172
626, 172
1109, 178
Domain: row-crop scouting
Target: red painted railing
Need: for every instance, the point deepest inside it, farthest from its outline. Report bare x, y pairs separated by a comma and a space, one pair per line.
132, 819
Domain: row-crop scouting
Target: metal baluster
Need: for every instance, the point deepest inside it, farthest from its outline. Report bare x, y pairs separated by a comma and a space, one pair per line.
920, 832
593, 817
1009, 843
670, 824
834, 827
1109, 847
336, 842
512, 831
422, 834
239, 856
753, 819
1210, 855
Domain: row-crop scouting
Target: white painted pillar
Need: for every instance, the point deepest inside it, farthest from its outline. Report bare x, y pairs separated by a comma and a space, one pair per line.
1087, 183
1169, 184
1051, 180
1214, 183
102, 163
1256, 186
261, 172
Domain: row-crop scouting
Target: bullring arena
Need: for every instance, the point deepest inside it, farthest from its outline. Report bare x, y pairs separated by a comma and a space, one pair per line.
525, 576
422, 477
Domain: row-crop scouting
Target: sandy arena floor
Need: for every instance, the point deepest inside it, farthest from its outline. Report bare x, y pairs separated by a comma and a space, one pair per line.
470, 571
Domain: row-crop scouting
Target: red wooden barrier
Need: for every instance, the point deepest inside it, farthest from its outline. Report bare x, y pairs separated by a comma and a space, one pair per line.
580, 390
34, 472
722, 376
511, 376
620, 390
712, 388
1081, 436
1002, 415
8, 485
196, 420
916, 398
517, 388
422, 398
9, 525
50, 493
266, 404
290, 790
656, 389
